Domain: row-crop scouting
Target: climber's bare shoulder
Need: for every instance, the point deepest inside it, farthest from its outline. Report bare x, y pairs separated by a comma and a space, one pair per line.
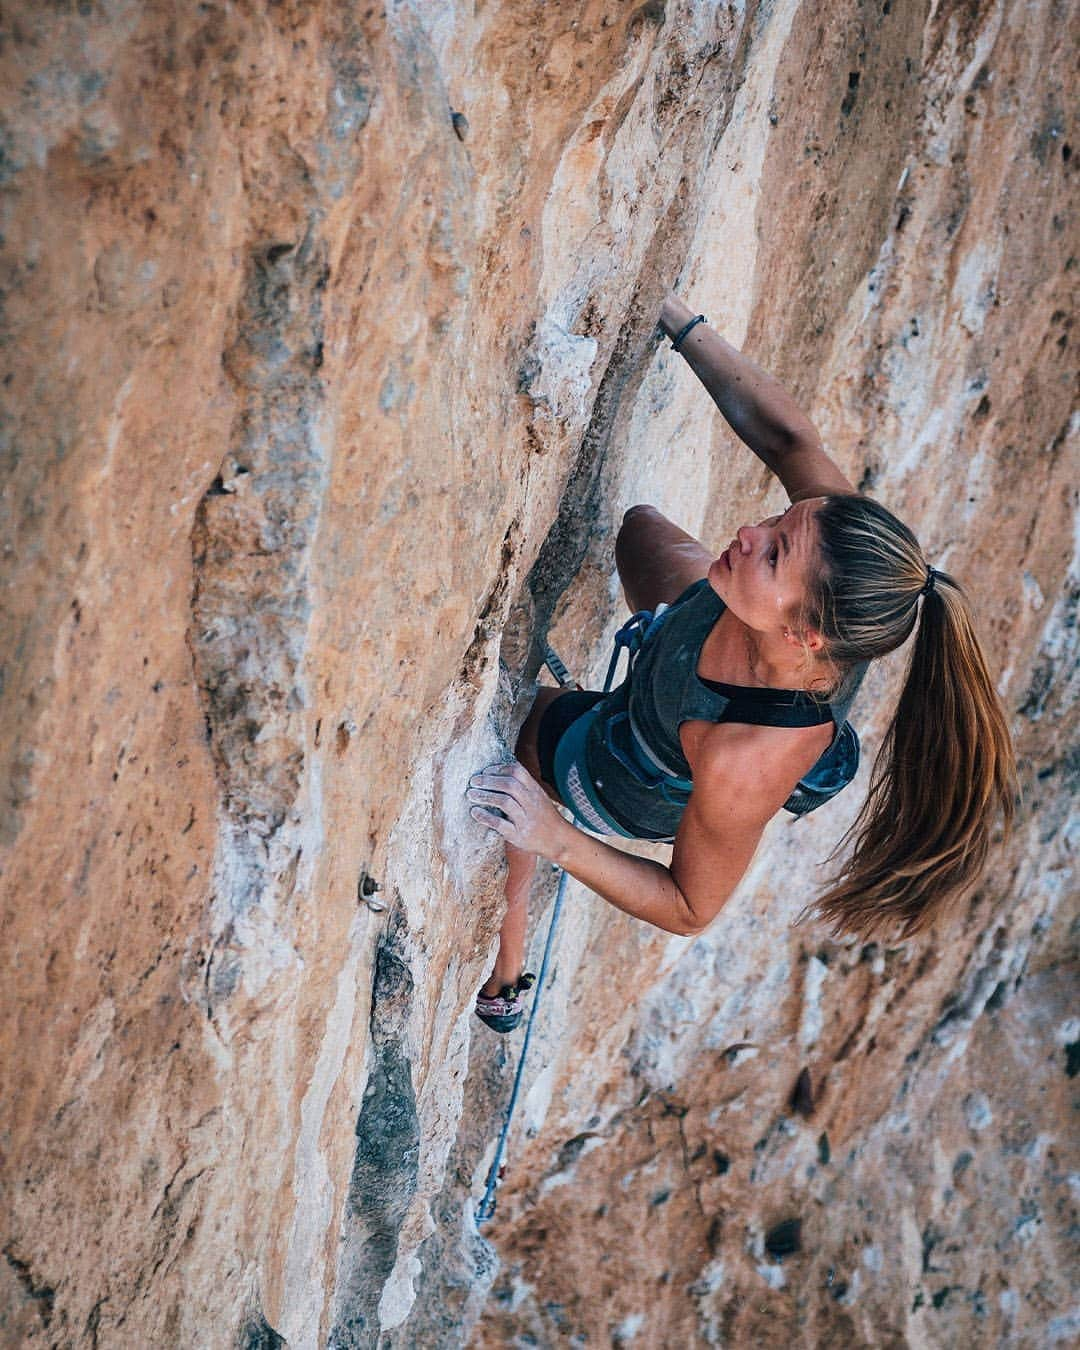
743, 775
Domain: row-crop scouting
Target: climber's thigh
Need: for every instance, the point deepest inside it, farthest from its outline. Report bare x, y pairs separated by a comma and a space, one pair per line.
656, 559
526, 748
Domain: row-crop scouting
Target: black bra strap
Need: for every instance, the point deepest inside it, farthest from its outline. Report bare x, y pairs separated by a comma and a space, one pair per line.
758, 716
770, 707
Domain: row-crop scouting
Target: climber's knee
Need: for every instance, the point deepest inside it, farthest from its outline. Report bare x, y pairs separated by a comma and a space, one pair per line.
656, 558
526, 749
635, 517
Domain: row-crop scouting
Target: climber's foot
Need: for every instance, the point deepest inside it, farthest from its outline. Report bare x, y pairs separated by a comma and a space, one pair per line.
503, 1011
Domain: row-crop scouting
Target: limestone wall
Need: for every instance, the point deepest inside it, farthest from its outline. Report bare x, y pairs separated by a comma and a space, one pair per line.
328, 372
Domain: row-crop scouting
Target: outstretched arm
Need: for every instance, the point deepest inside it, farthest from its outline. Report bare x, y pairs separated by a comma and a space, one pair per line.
509, 801
757, 407
717, 838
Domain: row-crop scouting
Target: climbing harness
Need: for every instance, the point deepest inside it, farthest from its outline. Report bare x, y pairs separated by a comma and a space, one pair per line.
620, 767
631, 638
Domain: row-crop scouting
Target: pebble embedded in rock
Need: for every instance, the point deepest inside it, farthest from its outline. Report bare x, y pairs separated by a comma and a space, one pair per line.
977, 1111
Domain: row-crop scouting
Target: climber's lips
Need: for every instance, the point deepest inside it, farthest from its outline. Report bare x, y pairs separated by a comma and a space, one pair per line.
720, 568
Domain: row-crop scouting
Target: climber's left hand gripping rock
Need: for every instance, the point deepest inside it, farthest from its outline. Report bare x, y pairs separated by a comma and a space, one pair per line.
529, 820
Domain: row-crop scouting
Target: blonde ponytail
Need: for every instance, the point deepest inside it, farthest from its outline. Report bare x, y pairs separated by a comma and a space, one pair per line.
946, 767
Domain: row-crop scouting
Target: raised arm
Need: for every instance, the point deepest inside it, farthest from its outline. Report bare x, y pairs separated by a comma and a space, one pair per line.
757, 407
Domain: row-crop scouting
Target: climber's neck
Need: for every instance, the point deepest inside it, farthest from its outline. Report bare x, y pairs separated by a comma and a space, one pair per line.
735, 653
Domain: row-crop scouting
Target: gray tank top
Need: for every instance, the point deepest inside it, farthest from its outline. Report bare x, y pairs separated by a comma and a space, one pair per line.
633, 755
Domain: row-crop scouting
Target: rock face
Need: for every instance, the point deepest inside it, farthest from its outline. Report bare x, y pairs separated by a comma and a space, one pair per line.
329, 371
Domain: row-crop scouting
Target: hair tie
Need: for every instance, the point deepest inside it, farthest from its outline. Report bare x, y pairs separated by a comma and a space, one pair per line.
680, 337
928, 584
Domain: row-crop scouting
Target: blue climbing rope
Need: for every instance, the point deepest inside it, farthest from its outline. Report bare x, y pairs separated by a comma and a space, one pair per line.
630, 635
486, 1207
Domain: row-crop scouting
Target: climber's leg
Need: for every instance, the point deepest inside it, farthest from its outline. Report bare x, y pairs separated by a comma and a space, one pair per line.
656, 559
510, 961
526, 750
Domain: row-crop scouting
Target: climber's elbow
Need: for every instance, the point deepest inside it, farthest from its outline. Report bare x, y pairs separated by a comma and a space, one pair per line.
690, 926
691, 919
695, 906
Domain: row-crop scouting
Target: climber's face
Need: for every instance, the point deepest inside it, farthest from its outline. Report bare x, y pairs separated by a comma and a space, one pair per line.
763, 575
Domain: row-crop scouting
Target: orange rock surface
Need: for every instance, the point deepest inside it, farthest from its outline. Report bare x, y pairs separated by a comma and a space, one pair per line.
329, 371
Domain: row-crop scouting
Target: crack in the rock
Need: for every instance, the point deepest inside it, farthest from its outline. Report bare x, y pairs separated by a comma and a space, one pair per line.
386, 1163
40, 1293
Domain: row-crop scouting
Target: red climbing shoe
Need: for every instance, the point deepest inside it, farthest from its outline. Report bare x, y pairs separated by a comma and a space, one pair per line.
503, 1011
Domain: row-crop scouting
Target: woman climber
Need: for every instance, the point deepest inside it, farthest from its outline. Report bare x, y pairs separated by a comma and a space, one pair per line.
736, 703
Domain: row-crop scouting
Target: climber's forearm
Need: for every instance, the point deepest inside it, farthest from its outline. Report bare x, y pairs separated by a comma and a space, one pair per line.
639, 887
757, 407
507, 799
